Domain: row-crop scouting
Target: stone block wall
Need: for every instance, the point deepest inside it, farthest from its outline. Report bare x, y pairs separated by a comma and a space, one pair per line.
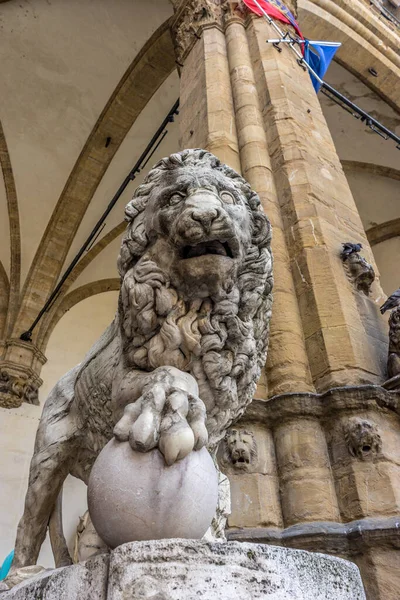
323, 475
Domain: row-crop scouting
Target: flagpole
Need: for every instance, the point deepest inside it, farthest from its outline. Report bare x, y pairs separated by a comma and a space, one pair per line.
291, 43
370, 121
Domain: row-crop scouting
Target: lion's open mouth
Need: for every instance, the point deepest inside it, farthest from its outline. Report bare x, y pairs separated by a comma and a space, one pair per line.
240, 460
204, 248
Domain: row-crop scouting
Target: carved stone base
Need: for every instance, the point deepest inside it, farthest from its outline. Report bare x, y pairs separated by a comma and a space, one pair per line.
189, 569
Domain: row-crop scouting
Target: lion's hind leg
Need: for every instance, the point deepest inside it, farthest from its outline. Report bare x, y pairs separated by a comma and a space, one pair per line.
55, 448
47, 474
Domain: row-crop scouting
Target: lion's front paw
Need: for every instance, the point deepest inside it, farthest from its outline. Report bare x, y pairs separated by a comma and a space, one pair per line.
165, 416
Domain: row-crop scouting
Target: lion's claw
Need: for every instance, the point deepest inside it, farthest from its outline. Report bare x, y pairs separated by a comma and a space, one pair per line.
167, 417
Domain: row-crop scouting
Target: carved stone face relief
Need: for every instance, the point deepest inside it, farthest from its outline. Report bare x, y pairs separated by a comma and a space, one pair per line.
360, 272
239, 449
362, 439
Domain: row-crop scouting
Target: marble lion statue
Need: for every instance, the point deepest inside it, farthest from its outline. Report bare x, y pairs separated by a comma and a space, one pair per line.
180, 362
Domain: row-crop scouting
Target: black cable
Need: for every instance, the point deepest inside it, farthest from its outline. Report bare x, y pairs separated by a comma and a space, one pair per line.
26, 336
370, 121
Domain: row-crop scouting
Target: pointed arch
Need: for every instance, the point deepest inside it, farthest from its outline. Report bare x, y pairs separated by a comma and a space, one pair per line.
82, 264
149, 69
15, 234
4, 297
76, 296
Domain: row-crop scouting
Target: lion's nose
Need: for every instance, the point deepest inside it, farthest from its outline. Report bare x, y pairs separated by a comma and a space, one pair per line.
205, 216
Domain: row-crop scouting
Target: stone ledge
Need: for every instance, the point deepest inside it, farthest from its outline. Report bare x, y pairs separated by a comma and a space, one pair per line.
326, 536
305, 404
191, 569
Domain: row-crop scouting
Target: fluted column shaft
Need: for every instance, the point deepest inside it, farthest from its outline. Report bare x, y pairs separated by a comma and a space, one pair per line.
287, 366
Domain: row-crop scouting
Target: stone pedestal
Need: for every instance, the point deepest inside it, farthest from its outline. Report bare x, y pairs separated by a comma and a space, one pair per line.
189, 569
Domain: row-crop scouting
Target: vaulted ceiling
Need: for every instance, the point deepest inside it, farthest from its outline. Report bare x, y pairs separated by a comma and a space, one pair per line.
72, 79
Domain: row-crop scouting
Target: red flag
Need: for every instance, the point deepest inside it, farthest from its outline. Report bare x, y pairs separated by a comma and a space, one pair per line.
275, 9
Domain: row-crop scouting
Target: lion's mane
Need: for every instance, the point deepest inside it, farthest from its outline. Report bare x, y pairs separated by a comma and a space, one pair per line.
221, 342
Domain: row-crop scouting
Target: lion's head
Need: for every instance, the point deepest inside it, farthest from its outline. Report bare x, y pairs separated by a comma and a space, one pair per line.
196, 273
362, 439
239, 449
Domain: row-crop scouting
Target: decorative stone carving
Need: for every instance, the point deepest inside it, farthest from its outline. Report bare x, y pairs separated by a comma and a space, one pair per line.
189, 339
393, 364
16, 389
239, 449
363, 439
360, 272
20, 363
234, 11
193, 15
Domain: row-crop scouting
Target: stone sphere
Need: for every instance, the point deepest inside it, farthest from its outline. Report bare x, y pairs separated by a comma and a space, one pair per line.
134, 496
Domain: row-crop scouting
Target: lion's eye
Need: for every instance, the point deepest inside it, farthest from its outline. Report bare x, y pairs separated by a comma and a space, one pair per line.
227, 198
175, 199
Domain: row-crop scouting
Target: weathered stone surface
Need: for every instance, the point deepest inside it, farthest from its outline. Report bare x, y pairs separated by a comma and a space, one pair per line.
83, 581
136, 496
177, 570
189, 569
180, 362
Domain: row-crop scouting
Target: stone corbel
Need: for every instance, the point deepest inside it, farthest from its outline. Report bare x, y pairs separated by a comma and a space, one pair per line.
19, 380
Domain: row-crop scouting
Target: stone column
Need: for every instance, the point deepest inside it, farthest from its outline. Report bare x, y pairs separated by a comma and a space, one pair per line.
287, 366
256, 109
344, 333
206, 106
307, 488
220, 111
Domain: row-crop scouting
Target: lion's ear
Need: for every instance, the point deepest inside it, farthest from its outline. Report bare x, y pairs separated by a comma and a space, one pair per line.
261, 229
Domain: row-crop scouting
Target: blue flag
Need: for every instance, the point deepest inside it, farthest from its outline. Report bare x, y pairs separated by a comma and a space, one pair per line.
319, 56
